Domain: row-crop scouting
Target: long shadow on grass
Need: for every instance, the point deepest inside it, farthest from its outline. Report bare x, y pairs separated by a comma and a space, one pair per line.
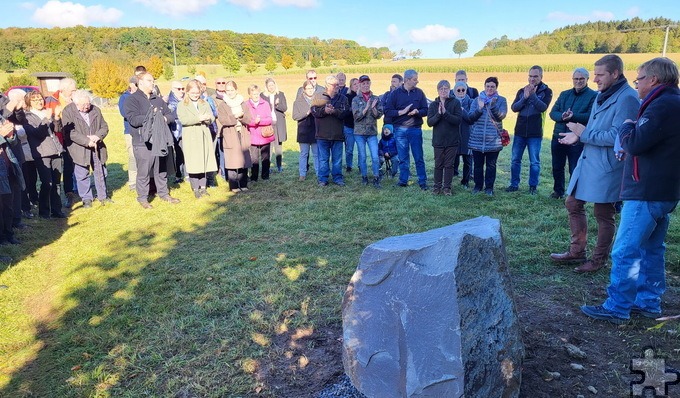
40, 232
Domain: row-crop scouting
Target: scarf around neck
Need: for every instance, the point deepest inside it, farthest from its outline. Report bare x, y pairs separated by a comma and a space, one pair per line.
603, 96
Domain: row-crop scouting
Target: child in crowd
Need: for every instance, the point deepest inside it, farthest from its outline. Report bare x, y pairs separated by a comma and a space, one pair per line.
387, 150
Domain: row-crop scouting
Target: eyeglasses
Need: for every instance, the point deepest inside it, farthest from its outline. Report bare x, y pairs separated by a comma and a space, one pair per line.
220, 82
636, 81
578, 79
311, 78
178, 88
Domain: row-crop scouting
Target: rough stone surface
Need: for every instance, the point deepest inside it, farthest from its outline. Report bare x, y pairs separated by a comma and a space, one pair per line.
432, 315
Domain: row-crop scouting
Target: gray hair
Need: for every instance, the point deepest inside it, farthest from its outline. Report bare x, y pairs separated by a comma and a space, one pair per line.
461, 73
582, 71
80, 95
331, 79
443, 83
67, 82
538, 68
665, 70
410, 74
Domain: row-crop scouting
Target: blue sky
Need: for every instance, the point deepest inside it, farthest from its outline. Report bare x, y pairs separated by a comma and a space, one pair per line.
430, 25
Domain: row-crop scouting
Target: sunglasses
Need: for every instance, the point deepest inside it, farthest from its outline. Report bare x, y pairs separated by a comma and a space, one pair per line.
311, 78
460, 91
178, 88
220, 82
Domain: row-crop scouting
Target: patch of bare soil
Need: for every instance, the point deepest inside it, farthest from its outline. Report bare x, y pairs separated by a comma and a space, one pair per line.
550, 319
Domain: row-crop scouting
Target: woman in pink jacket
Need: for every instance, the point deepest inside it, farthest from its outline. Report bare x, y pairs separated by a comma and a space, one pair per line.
257, 114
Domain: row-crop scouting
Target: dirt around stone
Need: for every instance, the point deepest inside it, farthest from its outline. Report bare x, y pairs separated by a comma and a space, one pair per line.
550, 319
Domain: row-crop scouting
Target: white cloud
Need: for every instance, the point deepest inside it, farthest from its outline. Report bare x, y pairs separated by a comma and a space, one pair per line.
596, 15
66, 14
254, 5
297, 3
177, 8
392, 30
633, 11
433, 34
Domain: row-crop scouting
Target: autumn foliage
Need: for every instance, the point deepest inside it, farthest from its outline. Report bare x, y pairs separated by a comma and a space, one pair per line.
107, 79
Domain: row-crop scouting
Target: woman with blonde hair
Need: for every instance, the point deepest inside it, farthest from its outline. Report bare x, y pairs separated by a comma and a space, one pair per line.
277, 101
196, 116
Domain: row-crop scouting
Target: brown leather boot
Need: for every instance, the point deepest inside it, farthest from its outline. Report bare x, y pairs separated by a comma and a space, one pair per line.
567, 257
588, 266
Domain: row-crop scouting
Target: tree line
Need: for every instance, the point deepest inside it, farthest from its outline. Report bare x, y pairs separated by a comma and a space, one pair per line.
628, 36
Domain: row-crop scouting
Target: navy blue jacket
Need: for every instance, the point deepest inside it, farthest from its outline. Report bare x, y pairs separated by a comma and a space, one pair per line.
530, 111
400, 99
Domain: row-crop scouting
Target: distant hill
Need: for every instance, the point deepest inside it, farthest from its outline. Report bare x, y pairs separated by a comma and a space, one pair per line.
628, 36
56, 48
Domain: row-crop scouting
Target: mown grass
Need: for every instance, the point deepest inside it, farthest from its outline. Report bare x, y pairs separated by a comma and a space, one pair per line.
187, 300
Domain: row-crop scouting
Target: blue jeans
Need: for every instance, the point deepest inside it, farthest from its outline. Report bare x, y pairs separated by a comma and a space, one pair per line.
330, 151
518, 145
410, 137
304, 158
372, 142
638, 265
349, 145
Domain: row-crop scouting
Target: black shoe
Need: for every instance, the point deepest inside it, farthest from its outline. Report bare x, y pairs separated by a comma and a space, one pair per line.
27, 214
532, 191
402, 184
423, 187
12, 241
364, 180
87, 204
476, 191
556, 195
279, 169
488, 192
376, 183
511, 189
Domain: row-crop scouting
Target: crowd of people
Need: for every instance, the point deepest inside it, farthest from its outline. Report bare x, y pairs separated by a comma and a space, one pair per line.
618, 143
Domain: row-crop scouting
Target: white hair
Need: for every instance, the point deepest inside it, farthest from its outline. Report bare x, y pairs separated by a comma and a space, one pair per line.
16, 94
80, 95
67, 82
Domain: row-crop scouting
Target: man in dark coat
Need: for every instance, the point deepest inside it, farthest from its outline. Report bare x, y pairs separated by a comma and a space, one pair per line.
137, 111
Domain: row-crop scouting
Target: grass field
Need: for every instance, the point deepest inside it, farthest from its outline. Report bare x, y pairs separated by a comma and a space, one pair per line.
216, 297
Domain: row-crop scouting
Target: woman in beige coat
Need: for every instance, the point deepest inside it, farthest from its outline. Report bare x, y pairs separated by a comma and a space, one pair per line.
195, 115
235, 138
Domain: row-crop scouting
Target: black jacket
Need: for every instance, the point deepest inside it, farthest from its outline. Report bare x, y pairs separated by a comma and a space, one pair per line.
651, 170
77, 130
330, 126
530, 111
446, 126
137, 106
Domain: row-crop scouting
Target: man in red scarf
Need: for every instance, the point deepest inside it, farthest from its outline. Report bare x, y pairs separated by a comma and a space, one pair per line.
650, 190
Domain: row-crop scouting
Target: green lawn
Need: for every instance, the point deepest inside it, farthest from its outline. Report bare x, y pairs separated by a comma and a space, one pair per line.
186, 300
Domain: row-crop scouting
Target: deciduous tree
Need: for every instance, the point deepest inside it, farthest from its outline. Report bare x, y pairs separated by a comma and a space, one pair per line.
155, 66
460, 47
230, 60
270, 64
106, 78
287, 61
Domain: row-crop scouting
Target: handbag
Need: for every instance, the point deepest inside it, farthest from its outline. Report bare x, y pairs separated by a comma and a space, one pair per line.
267, 131
503, 133
505, 137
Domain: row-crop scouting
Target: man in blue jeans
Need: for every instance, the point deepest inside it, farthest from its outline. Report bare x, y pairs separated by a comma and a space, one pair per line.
329, 109
530, 103
650, 190
406, 107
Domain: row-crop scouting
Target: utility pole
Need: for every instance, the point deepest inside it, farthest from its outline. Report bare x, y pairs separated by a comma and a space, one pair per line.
174, 54
665, 41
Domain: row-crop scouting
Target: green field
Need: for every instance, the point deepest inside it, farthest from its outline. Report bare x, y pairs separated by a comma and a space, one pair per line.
210, 297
